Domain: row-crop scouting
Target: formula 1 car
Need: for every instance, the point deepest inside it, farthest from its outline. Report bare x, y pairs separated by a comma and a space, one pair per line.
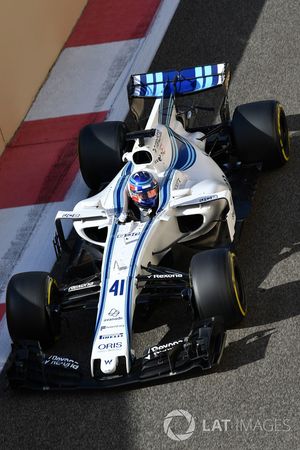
166, 209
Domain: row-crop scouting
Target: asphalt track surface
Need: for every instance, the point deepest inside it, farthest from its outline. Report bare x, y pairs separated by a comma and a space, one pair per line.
258, 379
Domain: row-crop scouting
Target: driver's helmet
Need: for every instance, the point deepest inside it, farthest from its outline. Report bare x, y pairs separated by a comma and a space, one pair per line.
143, 189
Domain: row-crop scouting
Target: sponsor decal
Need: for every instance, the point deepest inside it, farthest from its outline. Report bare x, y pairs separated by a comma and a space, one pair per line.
70, 216
110, 346
60, 361
114, 312
157, 349
113, 319
167, 275
120, 266
111, 336
104, 327
78, 287
158, 134
127, 235
208, 198
117, 287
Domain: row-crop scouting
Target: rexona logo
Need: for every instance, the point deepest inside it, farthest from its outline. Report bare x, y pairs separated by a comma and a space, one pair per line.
167, 275
78, 287
110, 346
111, 336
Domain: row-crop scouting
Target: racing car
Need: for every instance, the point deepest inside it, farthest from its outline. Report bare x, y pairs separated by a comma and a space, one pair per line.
165, 211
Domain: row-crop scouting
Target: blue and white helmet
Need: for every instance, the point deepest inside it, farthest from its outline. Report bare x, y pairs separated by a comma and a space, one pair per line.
143, 189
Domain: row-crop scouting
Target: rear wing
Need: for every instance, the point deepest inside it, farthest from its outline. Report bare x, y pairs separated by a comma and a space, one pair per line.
178, 83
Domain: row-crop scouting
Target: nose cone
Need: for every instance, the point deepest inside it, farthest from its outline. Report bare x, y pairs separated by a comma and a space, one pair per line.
109, 365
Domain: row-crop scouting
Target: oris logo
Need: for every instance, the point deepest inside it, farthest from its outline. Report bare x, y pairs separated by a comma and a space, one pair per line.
110, 346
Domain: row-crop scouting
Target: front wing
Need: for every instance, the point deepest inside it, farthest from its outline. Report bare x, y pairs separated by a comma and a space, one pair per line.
30, 368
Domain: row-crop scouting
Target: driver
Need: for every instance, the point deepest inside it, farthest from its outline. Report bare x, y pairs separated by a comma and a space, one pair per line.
144, 190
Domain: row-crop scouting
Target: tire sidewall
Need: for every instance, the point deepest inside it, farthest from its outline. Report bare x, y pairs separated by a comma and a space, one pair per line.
29, 303
217, 286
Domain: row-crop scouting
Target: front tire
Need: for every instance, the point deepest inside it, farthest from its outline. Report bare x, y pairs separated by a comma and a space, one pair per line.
217, 286
30, 297
260, 133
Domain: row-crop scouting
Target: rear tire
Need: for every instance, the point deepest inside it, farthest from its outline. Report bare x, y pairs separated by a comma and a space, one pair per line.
217, 286
100, 148
29, 298
260, 133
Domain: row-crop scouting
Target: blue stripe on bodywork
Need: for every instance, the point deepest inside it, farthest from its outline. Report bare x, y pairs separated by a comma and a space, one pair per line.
166, 185
120, 186
180, 161
164, 198
118, 206
184, 161
189, 159
131, 273
186, 152
106, 270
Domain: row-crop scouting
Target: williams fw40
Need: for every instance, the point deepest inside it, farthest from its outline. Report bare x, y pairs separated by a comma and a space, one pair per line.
167, 203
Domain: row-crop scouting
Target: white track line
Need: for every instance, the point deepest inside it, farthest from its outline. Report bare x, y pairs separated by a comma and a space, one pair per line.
81, 79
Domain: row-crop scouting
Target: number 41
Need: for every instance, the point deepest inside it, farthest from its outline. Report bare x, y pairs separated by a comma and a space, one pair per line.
118, 287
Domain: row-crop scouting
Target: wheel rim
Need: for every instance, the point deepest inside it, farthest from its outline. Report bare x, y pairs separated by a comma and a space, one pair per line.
283, 133
53, 299
236, 279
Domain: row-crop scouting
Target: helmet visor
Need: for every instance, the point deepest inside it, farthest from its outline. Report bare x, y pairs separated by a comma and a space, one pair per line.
139, 197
